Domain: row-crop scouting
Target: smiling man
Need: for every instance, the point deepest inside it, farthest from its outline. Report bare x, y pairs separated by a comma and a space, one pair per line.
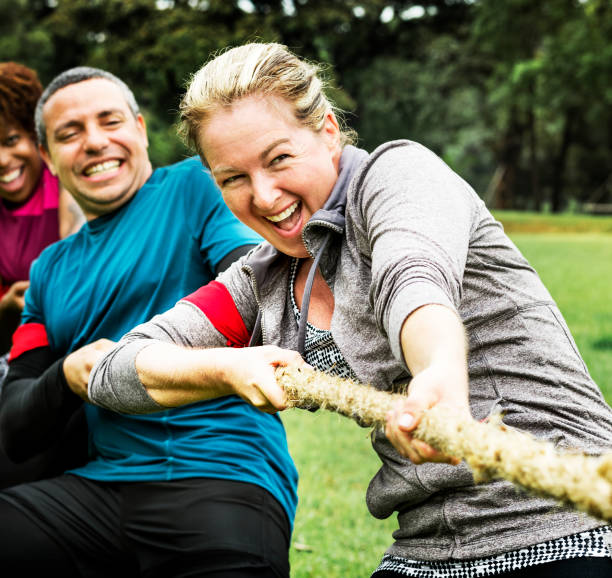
209, 485
95, 140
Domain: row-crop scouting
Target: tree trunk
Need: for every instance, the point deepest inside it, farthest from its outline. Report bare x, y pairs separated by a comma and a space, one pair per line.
557, 195
535, 192
502, 188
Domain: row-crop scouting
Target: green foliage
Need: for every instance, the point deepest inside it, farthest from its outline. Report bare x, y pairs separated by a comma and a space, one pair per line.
164, 145
22, 39
513, 94
425, 100
548, 93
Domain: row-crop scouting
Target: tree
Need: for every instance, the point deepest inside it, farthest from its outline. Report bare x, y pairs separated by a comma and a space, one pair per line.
514, 95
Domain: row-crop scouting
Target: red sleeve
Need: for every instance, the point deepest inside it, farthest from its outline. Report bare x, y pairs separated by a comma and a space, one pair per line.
27, 337
215, 301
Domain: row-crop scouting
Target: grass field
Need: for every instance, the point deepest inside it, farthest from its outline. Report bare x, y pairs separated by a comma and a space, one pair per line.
519, 222
334, 534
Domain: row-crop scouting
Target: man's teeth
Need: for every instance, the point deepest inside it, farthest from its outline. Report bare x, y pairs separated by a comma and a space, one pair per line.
286, 213
102, 168
10, 176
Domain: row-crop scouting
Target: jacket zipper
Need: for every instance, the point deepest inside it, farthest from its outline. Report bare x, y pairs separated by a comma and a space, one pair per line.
251, 274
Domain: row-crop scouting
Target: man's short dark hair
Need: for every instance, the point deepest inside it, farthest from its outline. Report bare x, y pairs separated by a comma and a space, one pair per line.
74, 76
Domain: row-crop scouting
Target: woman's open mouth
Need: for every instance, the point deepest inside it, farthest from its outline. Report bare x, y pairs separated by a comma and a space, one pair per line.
287, 219
11, 176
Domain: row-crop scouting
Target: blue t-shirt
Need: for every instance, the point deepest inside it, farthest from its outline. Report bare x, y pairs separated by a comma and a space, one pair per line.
119, 271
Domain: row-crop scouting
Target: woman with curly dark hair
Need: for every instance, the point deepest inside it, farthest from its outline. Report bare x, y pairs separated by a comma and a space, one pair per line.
34, 212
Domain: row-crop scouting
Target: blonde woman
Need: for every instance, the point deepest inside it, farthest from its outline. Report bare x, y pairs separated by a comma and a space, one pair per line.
385, 267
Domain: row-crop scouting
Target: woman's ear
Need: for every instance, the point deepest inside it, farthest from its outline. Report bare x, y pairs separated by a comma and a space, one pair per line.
331, 132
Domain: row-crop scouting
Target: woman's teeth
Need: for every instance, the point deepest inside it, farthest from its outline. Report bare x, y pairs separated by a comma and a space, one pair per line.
286, 213
10, 176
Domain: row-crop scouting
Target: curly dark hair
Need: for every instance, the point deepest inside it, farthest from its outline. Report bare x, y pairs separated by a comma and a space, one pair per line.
20, 89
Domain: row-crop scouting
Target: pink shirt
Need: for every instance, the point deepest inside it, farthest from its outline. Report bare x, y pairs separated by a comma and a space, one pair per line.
27, 230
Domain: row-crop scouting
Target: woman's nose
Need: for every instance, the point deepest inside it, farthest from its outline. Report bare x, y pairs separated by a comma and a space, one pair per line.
5, 156
265, 192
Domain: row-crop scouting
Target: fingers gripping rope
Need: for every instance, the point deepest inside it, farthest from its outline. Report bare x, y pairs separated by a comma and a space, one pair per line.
491, 449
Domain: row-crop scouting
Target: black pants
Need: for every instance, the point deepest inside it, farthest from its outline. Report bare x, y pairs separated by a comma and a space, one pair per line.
70, 526
572, 568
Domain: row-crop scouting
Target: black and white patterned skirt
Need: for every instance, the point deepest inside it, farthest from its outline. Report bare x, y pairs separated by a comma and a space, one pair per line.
595, 543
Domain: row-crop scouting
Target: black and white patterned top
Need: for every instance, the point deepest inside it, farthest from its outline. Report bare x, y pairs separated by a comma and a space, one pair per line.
323, 353
321, 350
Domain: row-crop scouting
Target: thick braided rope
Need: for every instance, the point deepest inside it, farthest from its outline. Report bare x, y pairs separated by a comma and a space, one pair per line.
490, 449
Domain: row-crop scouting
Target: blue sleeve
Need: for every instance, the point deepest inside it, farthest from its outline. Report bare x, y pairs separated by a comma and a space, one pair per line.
217, 230
32, 311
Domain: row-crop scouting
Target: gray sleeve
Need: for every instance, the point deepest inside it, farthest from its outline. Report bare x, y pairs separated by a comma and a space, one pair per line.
417, 218
114, 382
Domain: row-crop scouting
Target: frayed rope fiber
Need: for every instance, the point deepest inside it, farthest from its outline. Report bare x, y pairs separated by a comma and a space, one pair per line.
491, 449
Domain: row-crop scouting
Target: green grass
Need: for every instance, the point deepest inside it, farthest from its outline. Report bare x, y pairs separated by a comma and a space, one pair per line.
577, 269
520, 222
334, 534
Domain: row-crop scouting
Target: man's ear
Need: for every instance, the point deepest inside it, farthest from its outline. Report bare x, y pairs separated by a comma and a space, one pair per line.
142, 126
47, 158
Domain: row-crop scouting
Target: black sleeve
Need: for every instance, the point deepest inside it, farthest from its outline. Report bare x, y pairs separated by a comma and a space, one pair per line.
9, 321
232, 256
36, 404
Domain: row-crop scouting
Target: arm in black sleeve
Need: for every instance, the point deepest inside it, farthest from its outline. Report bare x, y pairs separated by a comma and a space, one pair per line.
36, 404
9, 321
232, 256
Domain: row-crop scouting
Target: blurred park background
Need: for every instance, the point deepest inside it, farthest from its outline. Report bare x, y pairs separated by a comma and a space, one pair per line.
515, 95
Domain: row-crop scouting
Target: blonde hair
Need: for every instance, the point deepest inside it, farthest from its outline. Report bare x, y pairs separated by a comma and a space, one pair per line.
256, 68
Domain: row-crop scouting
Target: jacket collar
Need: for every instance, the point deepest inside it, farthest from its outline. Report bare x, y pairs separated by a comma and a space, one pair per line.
333, 211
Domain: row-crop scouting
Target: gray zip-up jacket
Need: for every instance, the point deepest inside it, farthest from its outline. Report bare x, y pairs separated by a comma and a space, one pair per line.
403, 231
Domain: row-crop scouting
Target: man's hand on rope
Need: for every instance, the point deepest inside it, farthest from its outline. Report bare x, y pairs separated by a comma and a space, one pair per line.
78, 365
